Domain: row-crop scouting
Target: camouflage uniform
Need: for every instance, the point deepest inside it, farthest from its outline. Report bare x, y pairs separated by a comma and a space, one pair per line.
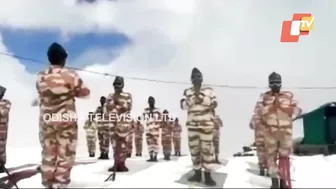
166, 137
177, 130
216, 136
259, 135
91, 136
276, 112
153, 125
103, 132
57, 87
119, 105
5, 107
138, 138
200, 126
130, 140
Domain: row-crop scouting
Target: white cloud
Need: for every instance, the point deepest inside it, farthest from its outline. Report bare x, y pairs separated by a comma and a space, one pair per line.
232, 42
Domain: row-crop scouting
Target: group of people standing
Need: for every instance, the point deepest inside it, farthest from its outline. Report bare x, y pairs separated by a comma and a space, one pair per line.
58, 87
170, 133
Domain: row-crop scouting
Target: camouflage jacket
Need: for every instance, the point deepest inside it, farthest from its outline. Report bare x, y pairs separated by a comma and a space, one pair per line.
99, 115
167, 128
177, 130
90, 128
5, 106
200, 115
138, 129
153, 119
276, 110
57, 88
118, 108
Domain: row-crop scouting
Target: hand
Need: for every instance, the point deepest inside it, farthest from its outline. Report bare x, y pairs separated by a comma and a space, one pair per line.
252, 126
182, 102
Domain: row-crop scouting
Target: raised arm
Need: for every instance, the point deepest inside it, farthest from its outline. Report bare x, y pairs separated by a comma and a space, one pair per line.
81, 90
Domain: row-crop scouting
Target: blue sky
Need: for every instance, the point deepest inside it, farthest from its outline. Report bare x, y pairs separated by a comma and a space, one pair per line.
33, 44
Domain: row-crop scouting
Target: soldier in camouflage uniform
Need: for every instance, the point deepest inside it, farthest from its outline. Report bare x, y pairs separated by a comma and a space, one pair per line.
166, 135
275, 111
130, 139
138, 137
216, 137
103, 131
200, 102
118, 107
152, 116
5, 106
259, 138
58, 87
91, 134
177, 130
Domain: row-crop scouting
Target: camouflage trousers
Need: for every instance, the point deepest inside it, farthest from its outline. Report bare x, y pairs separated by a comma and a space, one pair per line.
138, 144
3, 142
200, 146
130, 139
166, 142
278, 144
152, 138
59, 153
260, 145
177, 144
216, 144
119, 140
104, 138
91, 143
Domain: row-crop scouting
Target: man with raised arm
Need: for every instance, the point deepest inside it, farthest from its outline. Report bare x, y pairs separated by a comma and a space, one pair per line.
200, 103
58, 87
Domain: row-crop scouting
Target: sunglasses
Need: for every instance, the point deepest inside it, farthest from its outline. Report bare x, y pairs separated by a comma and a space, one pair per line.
277, 84
117, 84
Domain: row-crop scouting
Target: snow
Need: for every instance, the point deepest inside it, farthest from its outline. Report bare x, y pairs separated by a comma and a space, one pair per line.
239, 172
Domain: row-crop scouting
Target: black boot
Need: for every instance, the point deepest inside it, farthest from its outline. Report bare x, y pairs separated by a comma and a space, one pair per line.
104, 156
2, 169
155, 157
262, 171
140, 154
197, 177
175, 154
129, 155
283, 184
166, 157
275, 183
178, 153
91, 154
136, 154
208, 179
151, 158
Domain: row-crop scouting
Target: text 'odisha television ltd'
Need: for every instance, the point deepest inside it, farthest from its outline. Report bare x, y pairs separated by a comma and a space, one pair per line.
301, 24
71, 117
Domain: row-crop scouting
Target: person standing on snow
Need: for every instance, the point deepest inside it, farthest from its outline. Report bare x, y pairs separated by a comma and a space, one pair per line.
216, 136
259, 137
130, 139
118, 107
103, 131
275, 110
138, 137
200, 102
58, 87
91, 134
5, 106
153, 119
166, 135
177, 130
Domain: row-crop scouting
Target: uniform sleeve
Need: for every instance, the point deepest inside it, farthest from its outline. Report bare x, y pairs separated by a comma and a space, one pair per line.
86, 125
185, 105
128, 103
210, 100
256, 117
220, 122
297, 111
37, 84
81, 90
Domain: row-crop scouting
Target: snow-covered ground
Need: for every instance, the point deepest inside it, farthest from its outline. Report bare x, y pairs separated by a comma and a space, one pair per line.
239, 172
